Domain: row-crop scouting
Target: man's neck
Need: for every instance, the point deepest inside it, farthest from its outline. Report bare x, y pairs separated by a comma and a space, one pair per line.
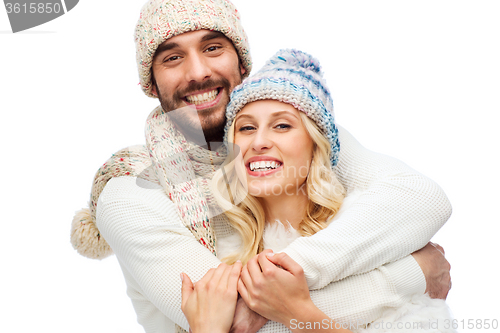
212, 142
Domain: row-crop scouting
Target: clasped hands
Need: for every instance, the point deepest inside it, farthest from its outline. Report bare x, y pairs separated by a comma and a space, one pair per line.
273, 287
264, 283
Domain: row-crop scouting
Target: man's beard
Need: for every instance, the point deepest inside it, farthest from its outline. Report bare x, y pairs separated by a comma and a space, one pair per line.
212, 119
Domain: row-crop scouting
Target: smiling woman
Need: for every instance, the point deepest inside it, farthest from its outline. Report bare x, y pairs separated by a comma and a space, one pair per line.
283, 157
285, 144
279, 185
275, 146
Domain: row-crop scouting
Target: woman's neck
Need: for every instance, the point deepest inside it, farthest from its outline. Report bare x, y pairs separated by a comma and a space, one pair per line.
285, 208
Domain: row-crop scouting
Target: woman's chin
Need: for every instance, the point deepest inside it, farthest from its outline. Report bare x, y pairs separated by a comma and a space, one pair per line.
276, 188
265, 190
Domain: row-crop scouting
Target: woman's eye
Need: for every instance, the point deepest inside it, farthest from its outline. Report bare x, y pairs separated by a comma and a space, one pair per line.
245, 128
283, 126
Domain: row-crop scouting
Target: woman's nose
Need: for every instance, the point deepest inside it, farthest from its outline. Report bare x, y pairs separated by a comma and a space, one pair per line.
262, 141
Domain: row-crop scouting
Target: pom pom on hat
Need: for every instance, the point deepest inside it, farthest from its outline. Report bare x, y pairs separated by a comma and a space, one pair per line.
85, 237
294, 58
293, 77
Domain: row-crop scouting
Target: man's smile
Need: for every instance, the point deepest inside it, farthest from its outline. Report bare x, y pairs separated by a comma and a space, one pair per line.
204, 99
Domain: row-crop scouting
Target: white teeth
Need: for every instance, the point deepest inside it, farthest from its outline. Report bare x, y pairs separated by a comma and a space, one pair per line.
264, 165
202, 98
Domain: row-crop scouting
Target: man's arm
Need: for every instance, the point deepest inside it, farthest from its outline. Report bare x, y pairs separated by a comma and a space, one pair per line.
397, 213
153, 247
363, 298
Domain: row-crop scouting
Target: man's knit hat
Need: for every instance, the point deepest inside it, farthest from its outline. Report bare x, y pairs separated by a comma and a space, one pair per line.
163, 19
293, 77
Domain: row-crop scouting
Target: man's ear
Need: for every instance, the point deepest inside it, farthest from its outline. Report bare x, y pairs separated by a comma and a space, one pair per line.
153, 90
242, 69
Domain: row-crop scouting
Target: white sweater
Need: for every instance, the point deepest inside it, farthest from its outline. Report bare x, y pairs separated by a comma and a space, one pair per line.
397, 214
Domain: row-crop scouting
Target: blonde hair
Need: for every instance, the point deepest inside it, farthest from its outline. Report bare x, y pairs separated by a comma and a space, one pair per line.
245, 212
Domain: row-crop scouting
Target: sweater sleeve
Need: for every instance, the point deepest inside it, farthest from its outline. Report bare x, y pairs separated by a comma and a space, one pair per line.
397, 213
363, 298
153, 247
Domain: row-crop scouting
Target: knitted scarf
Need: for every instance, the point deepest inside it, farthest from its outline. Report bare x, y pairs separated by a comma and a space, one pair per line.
181, 167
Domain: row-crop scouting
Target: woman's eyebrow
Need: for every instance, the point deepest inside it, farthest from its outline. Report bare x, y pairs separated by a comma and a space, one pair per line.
281, 113
243, 116
276, 114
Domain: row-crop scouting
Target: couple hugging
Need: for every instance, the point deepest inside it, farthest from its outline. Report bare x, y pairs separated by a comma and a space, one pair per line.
315, 232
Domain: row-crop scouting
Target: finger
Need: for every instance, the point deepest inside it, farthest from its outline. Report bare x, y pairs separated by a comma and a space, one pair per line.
438, 247
226, 272
286, 262
208, 276
266, 266
187, 288
253, 268
243, 291
218, 275
234, 276
245, 277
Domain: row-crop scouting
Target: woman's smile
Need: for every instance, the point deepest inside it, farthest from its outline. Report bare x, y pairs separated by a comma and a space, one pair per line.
275, 146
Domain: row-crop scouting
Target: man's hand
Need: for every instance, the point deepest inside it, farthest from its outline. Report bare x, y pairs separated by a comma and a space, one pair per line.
246, 320
436, 270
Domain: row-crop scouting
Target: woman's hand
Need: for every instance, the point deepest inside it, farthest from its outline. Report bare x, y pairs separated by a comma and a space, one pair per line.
274, 286
209, 305
277, 293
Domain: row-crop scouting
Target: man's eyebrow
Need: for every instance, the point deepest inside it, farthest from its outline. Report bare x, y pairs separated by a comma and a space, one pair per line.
165, 47
171, 45
212, 35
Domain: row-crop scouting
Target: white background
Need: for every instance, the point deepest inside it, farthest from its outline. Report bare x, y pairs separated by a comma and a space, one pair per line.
418, 80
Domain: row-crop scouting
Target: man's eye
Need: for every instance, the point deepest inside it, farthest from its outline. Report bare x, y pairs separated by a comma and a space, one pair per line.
212, 48
172, 58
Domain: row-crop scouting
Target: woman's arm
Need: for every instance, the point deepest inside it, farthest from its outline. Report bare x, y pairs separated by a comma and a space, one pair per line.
397, 213
210, 304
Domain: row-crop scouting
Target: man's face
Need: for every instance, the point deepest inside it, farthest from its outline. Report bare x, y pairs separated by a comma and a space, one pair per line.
198, 68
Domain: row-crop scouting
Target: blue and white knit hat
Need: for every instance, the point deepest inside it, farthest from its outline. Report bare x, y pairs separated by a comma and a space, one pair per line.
293, 77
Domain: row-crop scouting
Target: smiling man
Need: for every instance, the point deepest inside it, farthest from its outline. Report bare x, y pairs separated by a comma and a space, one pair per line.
198, 68
192, 53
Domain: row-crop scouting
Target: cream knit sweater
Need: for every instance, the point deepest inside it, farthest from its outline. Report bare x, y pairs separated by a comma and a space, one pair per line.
398, 213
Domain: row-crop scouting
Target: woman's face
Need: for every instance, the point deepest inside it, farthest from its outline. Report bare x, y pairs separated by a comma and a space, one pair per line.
275, 147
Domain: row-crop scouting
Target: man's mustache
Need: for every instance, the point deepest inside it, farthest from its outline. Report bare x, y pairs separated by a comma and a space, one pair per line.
197, 86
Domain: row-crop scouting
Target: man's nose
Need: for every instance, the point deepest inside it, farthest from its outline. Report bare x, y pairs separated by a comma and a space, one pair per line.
197, 68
